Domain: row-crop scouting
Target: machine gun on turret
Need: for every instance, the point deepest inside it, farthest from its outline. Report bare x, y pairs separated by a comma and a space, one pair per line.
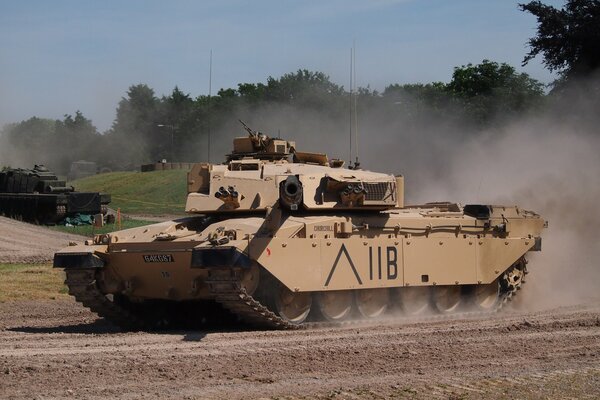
260, 146
259, 139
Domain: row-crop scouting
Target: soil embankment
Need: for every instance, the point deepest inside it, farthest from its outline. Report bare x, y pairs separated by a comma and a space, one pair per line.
26, 243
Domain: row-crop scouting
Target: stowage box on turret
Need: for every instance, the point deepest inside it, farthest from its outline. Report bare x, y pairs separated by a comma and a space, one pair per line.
278, 237
38, 196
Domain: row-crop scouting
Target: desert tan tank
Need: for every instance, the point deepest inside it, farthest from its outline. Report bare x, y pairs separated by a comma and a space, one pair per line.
279, 238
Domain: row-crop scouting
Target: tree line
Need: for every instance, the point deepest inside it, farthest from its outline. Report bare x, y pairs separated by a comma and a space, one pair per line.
178, 127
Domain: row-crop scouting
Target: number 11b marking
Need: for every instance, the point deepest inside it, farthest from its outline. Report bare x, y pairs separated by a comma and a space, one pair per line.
391, 255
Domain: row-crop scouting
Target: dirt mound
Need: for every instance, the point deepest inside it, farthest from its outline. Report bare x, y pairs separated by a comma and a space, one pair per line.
26, 243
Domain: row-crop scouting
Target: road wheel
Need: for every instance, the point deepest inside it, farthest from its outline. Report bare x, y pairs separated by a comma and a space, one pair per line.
335, 306
447, 299
293, 307
486, 297
413, 300
372, 303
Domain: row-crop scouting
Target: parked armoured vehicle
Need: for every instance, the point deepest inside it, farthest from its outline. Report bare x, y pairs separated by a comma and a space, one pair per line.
38, 196
278, 242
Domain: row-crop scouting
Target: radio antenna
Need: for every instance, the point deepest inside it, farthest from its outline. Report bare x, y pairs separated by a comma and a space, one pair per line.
356, 163
209, 96
351, 87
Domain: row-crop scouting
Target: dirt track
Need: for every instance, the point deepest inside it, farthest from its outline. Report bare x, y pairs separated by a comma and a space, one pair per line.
57, 349
26, 243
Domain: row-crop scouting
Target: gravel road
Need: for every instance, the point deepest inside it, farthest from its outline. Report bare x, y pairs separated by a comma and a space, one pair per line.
58, 349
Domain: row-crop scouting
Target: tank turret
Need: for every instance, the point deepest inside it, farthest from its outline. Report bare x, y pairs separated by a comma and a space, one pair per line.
36, 180
259, 174
38, 195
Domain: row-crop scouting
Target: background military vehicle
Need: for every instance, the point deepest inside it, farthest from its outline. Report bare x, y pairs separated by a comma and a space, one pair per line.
278, 242
38, 195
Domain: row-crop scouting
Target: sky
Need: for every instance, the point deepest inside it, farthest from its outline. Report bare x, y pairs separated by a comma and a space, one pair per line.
57, 57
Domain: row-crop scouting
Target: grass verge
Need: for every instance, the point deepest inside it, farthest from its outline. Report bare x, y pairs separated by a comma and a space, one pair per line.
31, 282
151, 193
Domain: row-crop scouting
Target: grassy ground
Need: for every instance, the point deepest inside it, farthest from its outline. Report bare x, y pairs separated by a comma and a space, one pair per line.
31, 282
90, 231
151, 193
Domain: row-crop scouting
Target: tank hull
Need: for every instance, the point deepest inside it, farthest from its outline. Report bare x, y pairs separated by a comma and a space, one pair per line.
51, 208
263, 261
38, 195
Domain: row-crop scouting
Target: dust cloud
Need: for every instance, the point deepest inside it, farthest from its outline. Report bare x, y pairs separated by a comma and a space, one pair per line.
547, 162
552, 168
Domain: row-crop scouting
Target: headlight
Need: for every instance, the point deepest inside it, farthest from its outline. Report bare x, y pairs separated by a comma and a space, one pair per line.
77, 261
102, 239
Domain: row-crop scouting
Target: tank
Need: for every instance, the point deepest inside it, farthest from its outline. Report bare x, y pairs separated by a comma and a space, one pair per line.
278, 238
37, 195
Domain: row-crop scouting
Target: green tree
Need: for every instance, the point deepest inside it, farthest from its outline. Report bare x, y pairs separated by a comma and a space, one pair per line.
177, 124
417, 100
253, 93
34, 133
304, 87
490, 90
55, 143
28, 142
567, 38
82, 139
134, 136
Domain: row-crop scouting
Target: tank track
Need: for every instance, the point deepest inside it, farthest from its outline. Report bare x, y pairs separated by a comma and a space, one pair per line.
510, 289
228, 290
61, 211
226, 286
83, 286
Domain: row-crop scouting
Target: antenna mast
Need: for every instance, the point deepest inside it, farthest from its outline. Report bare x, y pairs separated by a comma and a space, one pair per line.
356, 163
351, 87
353, 107
209, 96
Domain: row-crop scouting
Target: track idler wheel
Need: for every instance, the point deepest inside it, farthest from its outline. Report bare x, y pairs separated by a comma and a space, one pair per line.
372, 303
251, 279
